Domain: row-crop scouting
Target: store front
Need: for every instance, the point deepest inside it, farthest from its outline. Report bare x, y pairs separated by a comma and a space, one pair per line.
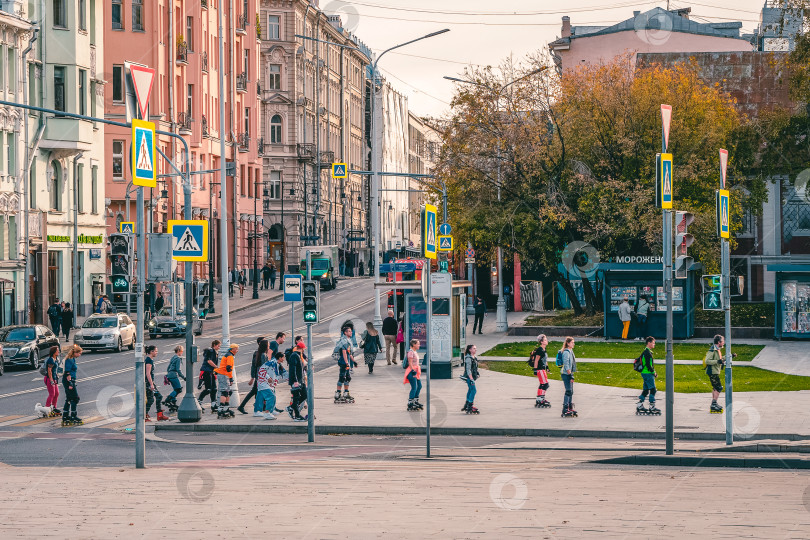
792, 301
89, 273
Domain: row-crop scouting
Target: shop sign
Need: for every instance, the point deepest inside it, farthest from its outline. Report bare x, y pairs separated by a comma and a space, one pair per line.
646, 259
83, 238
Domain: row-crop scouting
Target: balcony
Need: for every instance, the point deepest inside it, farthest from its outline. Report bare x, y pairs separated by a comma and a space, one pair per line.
306, 151
204, 62
258, 88
242, 24
182, 52
327, 158
204, 125
260, 144
204, 4
241, 82
184, 122
244, 142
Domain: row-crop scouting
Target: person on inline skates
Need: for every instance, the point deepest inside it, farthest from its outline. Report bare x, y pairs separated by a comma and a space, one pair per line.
173, 374
714, 364
209, 378
569, 367
470, 375
413, 376
69, 415
225, 375
648, 375
295, 369
51, 379
152, 393
345, 360
539, 364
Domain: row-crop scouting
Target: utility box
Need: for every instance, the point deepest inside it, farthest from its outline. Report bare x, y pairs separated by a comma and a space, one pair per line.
159, 263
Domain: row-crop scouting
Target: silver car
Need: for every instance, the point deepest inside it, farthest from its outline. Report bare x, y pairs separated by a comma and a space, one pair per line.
101, 331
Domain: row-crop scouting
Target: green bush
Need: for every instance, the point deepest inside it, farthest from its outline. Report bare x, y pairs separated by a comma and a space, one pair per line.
760, 315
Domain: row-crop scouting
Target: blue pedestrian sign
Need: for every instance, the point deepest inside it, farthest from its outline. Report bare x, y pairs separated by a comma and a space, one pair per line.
127, 227
663, 181
190, 241
723, 228
339, 170
445, 229
429, 244
445, 243
144, 155
292, 287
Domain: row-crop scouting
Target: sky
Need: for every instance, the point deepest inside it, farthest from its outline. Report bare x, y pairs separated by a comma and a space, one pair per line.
485, 33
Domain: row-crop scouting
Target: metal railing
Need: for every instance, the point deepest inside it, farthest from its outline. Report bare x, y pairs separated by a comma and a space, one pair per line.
244, 142
204, 4
327, 158
261, 146
182, 51
306, 151
241, 82
204, 124
184, 121
204, 61
242, 24
258, 87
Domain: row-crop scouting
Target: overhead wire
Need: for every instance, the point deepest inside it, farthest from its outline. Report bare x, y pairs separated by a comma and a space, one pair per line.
503, 13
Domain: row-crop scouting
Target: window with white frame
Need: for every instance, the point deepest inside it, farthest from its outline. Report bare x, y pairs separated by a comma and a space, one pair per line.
117, 13
275, 129
274, 77
118, 159
273, 27
274, 185
137, 16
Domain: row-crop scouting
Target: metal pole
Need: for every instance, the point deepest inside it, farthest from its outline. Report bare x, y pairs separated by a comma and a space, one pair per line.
140, 438
375, 194
670, 363
310, 368
726, 263
426, 268
255, 246
75, 272
223, 207
501, 325
470, 272
211, 262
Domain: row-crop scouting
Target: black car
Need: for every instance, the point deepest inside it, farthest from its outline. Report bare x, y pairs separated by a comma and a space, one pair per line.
26, 345
163, 324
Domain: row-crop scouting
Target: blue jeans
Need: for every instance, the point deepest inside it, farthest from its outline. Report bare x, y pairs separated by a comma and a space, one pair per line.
648, 388
177, 388
416, 385
470, 390
265, 401
568, 381
641, 327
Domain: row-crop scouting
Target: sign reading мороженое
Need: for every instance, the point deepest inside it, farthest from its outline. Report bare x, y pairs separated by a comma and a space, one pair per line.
83, 238
644, 259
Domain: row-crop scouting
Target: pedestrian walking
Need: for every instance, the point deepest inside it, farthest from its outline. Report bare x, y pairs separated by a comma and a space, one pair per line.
370, 341
569, 367
268, 376
360, 269
254, 368
153, 395
624, 316
345, 360
539, 364
67, 321
159, 301
230, 283
470, 375
55, 316
295, 367
265, 276
174, 373
275, 345
644, 364
52, 380
242, 279
225, 375
413, 376
272, 276
642, 312
389, 330
715, 364
480, 311
70, 416
210, 363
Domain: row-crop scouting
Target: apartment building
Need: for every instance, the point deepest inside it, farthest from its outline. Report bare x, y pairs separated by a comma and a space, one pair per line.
180, 39
424, 144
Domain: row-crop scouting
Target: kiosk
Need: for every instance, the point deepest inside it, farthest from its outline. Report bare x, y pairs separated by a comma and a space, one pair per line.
792, 300
637, 280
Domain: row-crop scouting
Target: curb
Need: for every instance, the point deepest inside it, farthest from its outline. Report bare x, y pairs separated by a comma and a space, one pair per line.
243, 308
711, 461
458, 431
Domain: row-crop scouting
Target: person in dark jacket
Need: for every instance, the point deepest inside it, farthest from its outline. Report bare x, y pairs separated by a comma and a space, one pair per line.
296, 379
539, 359
389, 331
470, 375
371, 345
67, 321
254, 368
266, 276
174, 372
55, 316
480, 310
209, 364
272, 276
159, 301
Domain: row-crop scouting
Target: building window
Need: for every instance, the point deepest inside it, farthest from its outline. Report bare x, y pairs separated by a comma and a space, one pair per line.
93, 98
190, 100
274, 77
56, 186
137, 15
274, 186
12, 70
82, 91
59, 88
92, 22
273, 26
80, 186
118, 83
12, 154
33, 192
59, 14
117, 15
275, 129
118, 160
94, 189
12, 237
190, 33
83, 15
247, 120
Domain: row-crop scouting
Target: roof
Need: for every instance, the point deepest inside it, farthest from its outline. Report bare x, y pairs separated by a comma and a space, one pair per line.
661, 19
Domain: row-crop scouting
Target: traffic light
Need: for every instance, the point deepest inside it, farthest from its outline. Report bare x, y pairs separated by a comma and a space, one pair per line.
737, 287
712, 293
120, 262
443, 266
202, 298
682, 242
311, 298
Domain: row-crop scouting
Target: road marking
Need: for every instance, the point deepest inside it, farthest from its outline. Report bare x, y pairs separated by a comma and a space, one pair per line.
16, 419
5, 420
39, 420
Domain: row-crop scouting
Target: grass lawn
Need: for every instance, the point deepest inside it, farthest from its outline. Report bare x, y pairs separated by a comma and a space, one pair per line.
566, 318
629, 351
689, 379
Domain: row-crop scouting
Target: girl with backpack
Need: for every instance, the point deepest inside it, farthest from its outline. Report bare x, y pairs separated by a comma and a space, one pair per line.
51, 372
470, 375
569, 367
538, 361
370, 341
413, 374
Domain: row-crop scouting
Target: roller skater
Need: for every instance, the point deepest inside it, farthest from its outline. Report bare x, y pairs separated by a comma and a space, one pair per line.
714, 363
69, 414
152, 394
51, 372
296, 379
225, 374
209, 378
174, 374
345, 359
538, 361
413, 374
644, 365
567, 371
470, 375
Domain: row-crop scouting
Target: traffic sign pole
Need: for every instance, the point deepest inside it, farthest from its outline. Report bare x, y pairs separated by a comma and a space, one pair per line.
140, 436
310, 369
667, 195
725, 219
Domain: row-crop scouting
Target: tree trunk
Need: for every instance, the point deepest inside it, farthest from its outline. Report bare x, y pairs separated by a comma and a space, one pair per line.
572, 297
590, 299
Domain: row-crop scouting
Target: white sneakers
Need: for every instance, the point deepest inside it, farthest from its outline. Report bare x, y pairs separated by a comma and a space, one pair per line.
269, 416
258, 413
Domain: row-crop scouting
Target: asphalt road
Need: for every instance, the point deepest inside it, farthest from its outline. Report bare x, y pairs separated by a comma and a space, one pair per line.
109, 377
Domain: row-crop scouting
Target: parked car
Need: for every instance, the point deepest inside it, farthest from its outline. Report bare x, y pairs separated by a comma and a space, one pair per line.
101, 331
163, 324
26, 344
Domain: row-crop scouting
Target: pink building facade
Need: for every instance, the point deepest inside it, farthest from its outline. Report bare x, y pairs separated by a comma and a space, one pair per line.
179, 38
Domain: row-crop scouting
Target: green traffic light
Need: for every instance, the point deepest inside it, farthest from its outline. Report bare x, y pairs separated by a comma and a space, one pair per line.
309, 316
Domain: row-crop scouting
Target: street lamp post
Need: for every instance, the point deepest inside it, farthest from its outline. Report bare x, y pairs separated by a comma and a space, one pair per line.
501, 324
375, 170
256, 239
211, 245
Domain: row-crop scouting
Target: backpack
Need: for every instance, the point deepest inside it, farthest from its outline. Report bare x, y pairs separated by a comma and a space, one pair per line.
559, 360
638, 365
287, 355
43, 370
52, 311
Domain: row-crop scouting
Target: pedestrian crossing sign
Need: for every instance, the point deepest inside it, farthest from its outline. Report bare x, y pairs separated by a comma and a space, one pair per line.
723, 228
429, 244
127, 227
190, 239
446, 243
663, 184
339, 170
144, 156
